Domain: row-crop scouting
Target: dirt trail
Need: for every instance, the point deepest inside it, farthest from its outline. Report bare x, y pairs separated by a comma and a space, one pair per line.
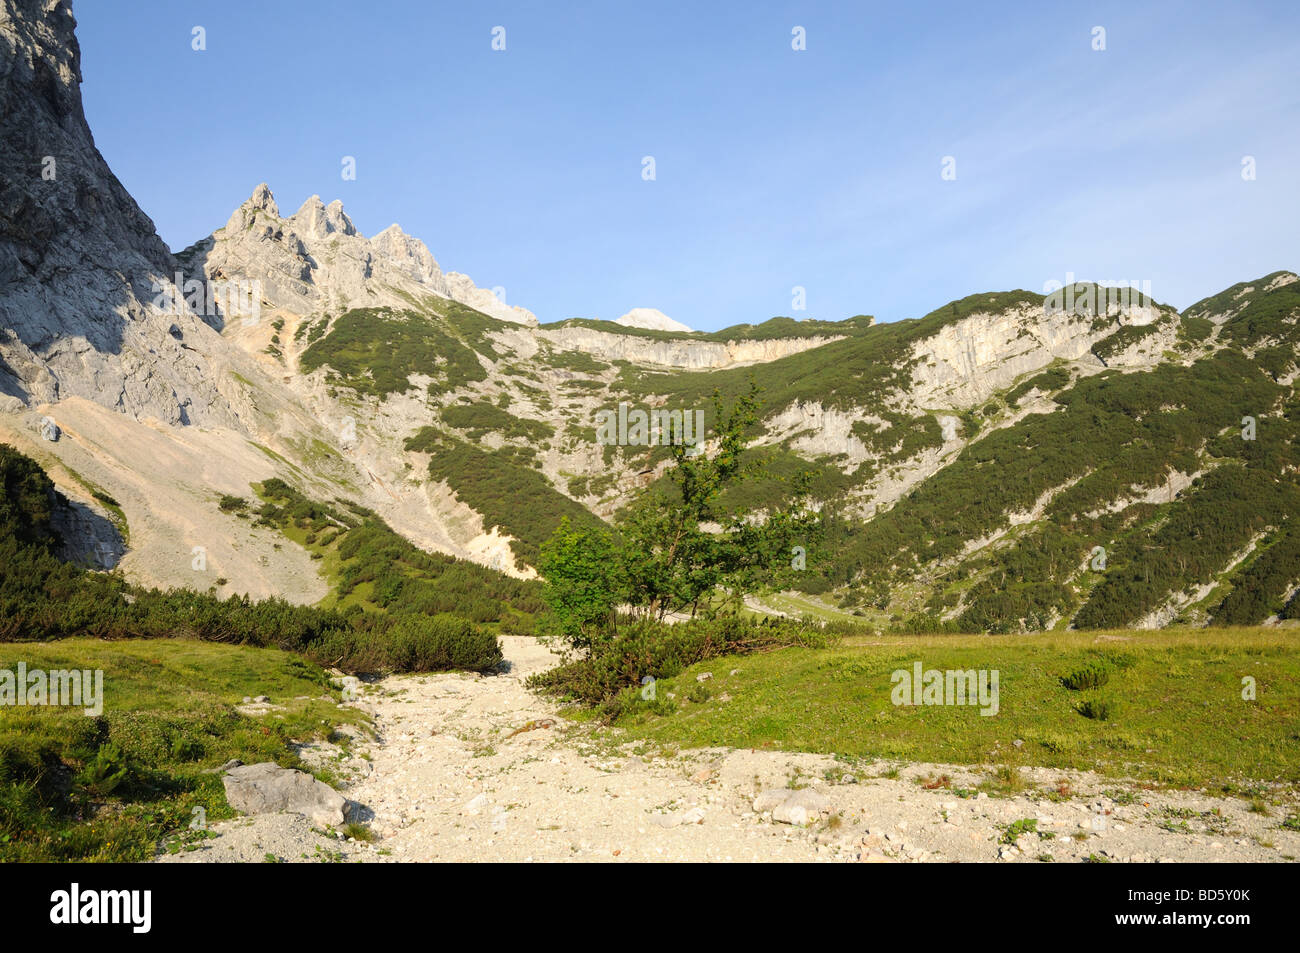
451, 776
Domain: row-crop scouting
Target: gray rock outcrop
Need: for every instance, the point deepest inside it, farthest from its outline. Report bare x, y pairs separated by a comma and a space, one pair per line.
80, 263
267, 788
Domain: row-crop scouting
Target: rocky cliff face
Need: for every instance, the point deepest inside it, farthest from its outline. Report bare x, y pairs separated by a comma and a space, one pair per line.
683, 353
315, 261
80, 263
971, 360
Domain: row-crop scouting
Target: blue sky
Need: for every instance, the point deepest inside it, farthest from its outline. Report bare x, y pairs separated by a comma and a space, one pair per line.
774, 168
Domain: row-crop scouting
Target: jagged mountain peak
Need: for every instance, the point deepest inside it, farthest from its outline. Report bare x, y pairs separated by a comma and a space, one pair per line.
316, 260
264, 200
318, 219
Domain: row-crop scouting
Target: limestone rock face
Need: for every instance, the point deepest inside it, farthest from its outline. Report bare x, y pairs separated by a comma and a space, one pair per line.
969, 360
315, 261
81, 266
686, 353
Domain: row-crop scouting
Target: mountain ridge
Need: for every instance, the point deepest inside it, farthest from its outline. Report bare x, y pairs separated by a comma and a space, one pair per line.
969, 463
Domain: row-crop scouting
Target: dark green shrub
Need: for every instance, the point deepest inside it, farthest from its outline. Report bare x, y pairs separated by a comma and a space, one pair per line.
1098, 709
440, 643
1092, 674
659, 650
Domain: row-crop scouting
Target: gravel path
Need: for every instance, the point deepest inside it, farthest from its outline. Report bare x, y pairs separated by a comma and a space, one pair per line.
469, 768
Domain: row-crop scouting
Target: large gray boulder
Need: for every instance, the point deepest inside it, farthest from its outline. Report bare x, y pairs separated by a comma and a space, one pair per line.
267, 788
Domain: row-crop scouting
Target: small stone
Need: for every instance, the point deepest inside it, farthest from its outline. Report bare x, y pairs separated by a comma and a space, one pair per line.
800, 806
795, 814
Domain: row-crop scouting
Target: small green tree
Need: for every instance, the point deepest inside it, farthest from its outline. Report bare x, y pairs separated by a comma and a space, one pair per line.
584, 584
679, 549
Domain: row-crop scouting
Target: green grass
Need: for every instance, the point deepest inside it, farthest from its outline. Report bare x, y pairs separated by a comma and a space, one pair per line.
804, 607
1181, 718
168, 717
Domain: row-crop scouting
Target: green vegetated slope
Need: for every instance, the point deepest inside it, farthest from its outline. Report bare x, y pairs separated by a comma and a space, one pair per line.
476, 418
376, 350
1003, 537
43, 597
1164, 707
503, 487
863, 374
1088, 474
372, 567
1111, 434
